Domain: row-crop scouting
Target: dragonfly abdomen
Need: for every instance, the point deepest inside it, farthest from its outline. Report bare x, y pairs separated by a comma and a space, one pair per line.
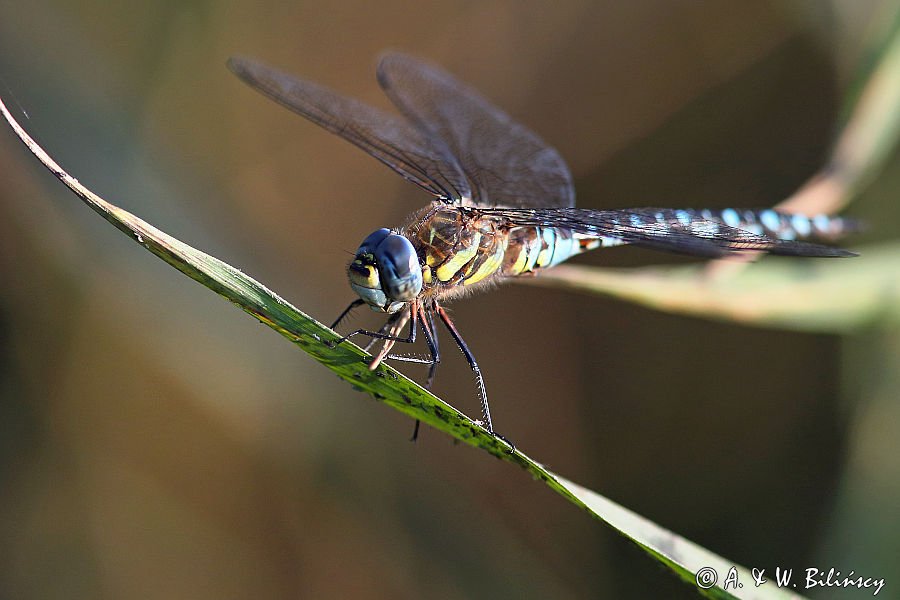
533, 248
781, 225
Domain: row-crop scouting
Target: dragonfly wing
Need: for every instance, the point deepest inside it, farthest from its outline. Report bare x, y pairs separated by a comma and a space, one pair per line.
408, 150
671, 230
506, 163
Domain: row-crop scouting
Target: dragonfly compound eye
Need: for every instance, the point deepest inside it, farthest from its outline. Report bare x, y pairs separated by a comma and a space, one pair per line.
398, 264
386, 271
372, 240
363, 272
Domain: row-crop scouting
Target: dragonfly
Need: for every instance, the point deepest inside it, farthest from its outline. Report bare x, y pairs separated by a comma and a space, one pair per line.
503, 205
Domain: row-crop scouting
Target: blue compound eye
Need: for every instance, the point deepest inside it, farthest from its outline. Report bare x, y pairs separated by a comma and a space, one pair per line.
372, 240
386, 272
398, 265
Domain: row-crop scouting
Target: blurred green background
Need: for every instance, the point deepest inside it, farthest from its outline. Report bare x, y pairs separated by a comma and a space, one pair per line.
157, 443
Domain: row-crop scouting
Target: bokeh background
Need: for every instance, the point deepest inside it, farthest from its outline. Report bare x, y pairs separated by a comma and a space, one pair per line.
155, 442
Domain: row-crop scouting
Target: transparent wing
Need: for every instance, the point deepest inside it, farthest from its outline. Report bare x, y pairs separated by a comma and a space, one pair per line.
671, 230
408, 150
506, 164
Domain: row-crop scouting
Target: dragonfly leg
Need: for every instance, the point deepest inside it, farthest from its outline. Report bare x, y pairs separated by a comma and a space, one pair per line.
387, 325
479, 379
393, 336
432, 341
380, 334
353, 305
389, 332
426, 320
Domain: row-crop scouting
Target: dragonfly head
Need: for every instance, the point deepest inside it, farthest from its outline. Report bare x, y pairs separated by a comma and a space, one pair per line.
386, 272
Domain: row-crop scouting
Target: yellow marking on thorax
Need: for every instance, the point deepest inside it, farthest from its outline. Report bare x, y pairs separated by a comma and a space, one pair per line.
488, 267
446, 271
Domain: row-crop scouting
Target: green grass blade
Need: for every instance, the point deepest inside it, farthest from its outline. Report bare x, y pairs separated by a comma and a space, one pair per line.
392, 388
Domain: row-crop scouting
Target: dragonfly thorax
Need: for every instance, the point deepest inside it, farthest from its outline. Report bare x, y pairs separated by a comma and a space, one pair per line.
386, 273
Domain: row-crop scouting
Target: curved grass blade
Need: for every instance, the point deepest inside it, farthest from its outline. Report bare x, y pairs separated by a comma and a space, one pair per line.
386, 385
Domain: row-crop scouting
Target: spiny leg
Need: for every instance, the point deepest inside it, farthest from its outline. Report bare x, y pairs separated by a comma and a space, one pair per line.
432, 340
417, 313
426, 322
393, 336
393, 325
387, 325
390, 331
353, 305
479, 379
380, 333
430, 333
375, 336
356, 303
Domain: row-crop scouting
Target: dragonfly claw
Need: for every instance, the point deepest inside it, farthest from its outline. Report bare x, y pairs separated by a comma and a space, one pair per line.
512, 447
502, 438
